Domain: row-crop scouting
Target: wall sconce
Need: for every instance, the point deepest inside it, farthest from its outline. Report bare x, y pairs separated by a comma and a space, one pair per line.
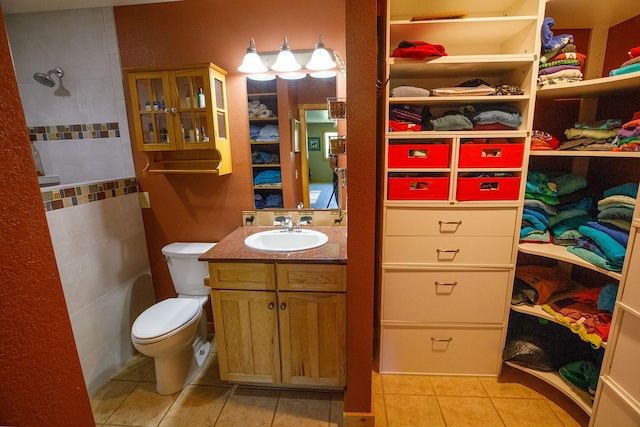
287, 63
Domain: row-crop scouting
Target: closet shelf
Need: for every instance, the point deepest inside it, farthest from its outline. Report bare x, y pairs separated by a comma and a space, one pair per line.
561, 253
592, 87
578, 396
458, 65
585, 153
458, 134
459, 100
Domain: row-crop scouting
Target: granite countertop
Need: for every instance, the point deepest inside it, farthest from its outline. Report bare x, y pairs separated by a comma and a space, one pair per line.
232, 248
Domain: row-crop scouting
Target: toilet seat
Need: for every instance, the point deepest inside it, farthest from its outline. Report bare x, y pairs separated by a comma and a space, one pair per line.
164, 319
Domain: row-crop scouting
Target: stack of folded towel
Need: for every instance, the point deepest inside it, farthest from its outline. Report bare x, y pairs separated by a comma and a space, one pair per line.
628, 138
559, 61
603, 242
550, 213
593, 136
631, 65
257, 110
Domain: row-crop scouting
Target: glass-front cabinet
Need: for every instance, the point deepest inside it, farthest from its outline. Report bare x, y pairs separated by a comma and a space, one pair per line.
180, 108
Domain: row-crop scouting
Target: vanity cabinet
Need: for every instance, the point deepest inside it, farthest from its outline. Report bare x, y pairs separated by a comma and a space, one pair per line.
180, 118
264, 139
452, 198
280, 323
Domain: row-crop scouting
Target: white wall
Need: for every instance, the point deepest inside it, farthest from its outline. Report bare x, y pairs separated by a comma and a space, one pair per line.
83, 43
100, 246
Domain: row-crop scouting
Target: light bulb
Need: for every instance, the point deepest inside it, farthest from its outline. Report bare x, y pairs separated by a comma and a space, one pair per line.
285, 62
252, 62
320, 60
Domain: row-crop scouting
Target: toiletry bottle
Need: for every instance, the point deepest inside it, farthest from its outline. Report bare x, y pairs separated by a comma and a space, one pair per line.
151, 133
205, 138
187, 100
182, 130
197, 135
147, 105
200, 98
191, 134
162, 106
164, 135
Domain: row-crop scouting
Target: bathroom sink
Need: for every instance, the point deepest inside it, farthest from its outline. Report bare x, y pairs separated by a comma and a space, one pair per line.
279, 241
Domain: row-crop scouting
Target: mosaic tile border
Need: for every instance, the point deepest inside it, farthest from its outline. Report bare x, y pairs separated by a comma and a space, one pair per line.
81, 131
74, 195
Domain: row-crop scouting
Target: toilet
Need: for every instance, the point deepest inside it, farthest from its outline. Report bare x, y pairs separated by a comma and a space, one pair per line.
174, 331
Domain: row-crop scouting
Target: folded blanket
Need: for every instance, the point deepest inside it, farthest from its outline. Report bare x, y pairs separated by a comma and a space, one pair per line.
629, 189
616, 199
409, 91
540, 206
594, 259
623, 213
625, 70
613, 250
569, 183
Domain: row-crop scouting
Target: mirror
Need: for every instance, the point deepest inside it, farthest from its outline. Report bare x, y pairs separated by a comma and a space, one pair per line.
290, 133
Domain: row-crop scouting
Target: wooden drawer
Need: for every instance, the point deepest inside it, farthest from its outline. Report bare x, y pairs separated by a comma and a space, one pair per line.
614, 409
448, 250
440, 350
312, 277
237, 275
631, 293
444, 296
625, 369
450, 222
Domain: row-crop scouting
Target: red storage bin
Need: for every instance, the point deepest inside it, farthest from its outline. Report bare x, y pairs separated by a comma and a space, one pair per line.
419, 155
491, 155
488, 188
418, 188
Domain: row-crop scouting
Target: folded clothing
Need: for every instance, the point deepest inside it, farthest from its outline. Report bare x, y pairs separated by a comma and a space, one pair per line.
545, 281
417, 50
409, 91
583, 375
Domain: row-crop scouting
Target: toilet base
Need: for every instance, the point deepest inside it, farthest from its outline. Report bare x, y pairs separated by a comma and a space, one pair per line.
175, 371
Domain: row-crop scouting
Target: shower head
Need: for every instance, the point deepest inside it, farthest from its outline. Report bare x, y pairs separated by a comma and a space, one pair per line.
45, 78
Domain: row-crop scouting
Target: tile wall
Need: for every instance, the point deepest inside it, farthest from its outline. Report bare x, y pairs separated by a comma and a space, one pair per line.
82, 135
83, 43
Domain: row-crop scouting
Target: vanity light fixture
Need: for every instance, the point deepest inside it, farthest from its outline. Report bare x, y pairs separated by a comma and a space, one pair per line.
252, 62
286, 63
320, 60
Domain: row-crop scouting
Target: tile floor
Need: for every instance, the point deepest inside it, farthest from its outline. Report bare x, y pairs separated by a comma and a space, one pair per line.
514, 399
325, 199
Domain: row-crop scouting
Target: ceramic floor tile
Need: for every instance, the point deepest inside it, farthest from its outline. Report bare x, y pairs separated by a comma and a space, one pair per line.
511, 383
376, 382
337, 409
407, 384
210, 373
143, 407
412, 411
568, 411
249, 408
197, 406
457, 386
302, 409
109, 398
379, 411
526, 412
135, 369
469, 411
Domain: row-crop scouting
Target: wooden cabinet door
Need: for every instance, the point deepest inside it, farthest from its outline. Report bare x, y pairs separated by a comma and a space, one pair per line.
313, 338
247, 335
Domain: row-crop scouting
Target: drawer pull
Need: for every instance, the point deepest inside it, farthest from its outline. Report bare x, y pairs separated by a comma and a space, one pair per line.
449, 226
434, 339
445, 284
448, 251
450, 222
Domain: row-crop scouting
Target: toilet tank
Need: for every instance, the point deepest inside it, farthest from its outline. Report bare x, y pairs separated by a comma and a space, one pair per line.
187, 273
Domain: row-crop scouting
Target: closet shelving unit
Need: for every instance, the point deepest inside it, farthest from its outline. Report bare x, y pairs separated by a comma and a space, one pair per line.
618, 396
447, 242
265, 92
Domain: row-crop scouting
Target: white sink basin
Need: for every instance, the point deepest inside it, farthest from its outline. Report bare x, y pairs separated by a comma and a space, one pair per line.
279, 241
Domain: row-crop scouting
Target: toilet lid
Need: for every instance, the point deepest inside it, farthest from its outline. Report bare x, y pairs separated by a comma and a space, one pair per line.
164, 317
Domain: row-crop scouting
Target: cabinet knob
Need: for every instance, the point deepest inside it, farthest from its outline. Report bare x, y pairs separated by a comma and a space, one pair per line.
171, 110
283, 306
271, 306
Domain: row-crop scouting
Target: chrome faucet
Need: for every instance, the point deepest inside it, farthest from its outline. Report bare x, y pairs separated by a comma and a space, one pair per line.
287, 224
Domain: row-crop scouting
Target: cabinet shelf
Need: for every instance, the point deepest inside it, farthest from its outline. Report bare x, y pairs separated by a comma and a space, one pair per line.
561, 253
459, 134
584, 153
582, 399
458, 65
590, 88
459, 100
266, 165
